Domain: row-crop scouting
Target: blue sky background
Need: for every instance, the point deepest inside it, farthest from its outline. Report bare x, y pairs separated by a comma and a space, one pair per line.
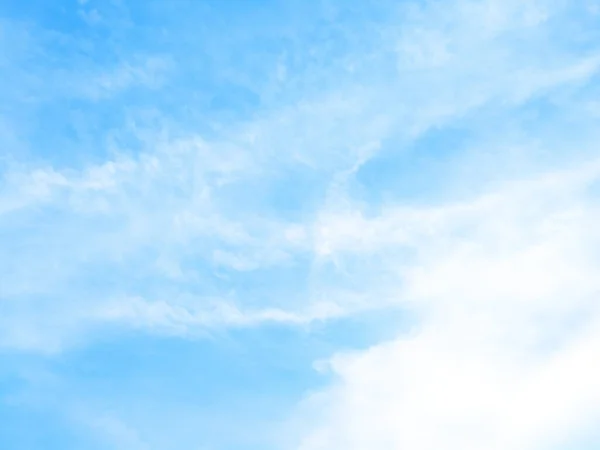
312, 225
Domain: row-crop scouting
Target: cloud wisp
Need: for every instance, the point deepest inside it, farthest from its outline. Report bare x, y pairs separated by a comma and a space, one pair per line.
174, 174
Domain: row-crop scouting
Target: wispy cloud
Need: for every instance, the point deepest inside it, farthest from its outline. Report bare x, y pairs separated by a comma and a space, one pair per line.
181, 195
171, 173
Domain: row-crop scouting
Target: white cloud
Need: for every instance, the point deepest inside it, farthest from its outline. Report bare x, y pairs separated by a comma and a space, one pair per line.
503, 282
505, 354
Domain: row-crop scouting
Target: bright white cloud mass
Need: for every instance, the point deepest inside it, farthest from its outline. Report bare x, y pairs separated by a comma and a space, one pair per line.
279, 224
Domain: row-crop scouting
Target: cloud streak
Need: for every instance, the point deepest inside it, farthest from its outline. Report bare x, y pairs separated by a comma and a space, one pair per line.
340, 160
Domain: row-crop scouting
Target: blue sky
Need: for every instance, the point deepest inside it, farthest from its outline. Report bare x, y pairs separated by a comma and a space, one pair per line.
299, 225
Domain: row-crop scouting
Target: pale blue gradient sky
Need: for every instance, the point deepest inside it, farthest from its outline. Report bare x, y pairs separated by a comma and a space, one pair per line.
312, 225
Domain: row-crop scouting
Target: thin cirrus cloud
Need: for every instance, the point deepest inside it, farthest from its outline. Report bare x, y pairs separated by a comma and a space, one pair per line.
173, 180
